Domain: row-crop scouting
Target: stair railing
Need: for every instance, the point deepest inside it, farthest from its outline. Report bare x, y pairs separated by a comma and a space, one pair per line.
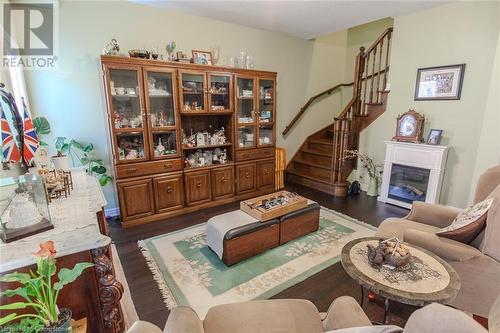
373, 79
370, 79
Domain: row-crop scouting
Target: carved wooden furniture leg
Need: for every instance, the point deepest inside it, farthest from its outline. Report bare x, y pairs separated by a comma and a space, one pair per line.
110, 291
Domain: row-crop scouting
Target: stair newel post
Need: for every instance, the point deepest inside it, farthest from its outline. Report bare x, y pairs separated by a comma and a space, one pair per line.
358, 80
336, 148
387, 57
343, 147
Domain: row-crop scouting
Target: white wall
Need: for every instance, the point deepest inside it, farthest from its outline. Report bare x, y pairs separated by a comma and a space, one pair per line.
461, 32
72, 96
326, 70
488, 149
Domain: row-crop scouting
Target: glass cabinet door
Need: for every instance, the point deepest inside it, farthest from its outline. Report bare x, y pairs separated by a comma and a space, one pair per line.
193, 92
245, 113
246, 136
130, 146
160, 99
164, 144
125, 98
266, 112
127, 114
219, 92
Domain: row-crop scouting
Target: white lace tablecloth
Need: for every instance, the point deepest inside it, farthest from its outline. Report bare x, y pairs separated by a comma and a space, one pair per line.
75, 222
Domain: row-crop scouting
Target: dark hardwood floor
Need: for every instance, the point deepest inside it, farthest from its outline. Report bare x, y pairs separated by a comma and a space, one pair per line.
322, 288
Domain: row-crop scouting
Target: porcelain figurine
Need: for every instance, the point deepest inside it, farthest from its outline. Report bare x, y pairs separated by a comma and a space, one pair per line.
124, 122
132, 154
160, 149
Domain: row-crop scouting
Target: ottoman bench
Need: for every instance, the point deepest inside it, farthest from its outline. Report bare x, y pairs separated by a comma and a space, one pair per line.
236, 236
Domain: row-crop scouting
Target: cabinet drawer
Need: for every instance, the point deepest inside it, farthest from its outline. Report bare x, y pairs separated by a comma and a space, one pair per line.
222, 182
254, 154
148, 168
197, 187
169, 193
245, 178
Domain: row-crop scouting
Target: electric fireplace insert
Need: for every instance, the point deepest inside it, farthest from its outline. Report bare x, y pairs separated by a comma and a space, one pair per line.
408, 183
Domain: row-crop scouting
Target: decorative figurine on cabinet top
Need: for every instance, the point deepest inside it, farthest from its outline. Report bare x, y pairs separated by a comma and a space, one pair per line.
409, 127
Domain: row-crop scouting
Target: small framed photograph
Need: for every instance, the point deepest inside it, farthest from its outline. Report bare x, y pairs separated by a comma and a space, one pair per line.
202, 57
439, 83
434, 137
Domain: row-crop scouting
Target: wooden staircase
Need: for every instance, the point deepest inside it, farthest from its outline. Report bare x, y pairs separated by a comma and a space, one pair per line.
320, 162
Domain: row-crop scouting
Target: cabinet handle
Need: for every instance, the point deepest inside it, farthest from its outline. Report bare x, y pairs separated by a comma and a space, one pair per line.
247, 175
267, 152
198, 184
246, 155
224, 179
167, 165
131, 170
169, 189
266, 172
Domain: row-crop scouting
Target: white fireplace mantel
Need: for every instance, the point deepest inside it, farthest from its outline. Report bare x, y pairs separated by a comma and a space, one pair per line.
418, 155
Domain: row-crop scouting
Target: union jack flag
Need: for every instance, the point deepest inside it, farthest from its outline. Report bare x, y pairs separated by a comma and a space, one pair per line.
10, 149
29, 137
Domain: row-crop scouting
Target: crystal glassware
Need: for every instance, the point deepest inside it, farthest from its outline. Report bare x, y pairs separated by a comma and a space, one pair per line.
215, 49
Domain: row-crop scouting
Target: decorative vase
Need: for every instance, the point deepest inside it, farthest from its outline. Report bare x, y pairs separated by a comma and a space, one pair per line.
372, 187
64, 323
61, 162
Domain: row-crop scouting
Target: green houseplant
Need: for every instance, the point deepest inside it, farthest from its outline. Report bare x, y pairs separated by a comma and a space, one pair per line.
40, 293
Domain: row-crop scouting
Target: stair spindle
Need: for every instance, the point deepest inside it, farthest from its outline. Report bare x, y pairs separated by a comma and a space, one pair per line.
366, 83
379, 69
387, 59
373, 74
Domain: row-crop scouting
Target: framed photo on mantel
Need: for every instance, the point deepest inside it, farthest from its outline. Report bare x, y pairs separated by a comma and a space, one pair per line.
439, 83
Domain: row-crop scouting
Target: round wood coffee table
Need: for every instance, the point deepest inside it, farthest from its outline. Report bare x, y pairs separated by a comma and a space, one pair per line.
425, 279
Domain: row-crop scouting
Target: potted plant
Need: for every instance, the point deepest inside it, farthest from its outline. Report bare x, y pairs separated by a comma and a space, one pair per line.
39, 292
61, 159
374, 170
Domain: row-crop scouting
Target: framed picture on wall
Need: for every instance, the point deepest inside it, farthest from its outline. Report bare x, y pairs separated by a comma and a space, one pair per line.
439, 83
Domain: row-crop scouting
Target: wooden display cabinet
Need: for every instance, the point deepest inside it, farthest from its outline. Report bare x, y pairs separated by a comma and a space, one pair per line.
151, 103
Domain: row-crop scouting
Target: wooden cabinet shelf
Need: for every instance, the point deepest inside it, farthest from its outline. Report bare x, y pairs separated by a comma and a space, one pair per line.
207, 147
206, 113
153, 181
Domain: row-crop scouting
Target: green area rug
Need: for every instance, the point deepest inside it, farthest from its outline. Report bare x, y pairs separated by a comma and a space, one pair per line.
189, 273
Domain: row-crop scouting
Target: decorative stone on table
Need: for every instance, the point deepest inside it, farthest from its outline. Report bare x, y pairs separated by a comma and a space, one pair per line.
389, 252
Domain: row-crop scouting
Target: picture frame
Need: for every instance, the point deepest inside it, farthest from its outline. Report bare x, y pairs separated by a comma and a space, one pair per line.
202, 57
434, 137
439, 83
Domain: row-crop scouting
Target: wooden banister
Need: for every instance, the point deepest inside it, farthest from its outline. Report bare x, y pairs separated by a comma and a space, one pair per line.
323, 93
386, 32
310, 101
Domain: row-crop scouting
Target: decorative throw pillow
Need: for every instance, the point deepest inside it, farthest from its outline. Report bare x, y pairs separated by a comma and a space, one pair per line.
468, 224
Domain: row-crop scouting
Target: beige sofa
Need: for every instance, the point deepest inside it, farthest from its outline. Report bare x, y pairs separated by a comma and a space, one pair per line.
301, 316
477, 263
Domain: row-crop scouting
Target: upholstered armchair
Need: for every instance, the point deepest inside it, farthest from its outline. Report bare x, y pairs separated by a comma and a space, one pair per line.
477, 263
300, 316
